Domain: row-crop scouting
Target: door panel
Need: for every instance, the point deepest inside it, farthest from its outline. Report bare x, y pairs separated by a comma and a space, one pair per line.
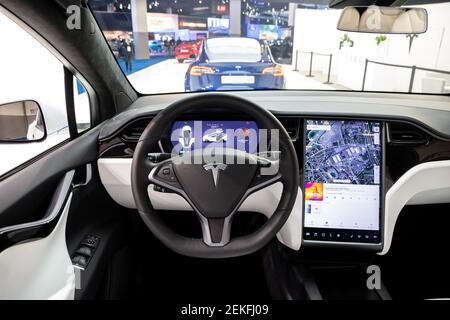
34, 260
39, 269
9, 236
50, 203
22, 191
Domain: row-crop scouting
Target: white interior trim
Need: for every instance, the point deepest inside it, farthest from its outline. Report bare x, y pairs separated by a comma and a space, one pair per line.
40, 269
115, 175
427, 183
265, 201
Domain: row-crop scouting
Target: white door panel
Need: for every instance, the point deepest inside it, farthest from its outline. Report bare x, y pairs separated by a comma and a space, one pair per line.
40, 269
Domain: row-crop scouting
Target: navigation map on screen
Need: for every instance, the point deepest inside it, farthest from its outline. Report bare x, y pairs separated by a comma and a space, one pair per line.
342, 180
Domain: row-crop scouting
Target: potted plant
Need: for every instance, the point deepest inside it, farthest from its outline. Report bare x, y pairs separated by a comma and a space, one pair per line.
380, 39
346, 41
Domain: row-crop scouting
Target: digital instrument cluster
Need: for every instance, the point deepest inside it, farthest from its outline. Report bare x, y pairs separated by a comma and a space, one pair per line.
200, 134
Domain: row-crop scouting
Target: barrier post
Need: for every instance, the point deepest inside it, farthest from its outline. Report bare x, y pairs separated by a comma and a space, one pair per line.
310, 65
296, 60
329, 70
411, 81
364, 76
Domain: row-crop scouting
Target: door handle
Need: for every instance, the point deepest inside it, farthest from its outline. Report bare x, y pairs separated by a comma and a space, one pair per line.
12, 235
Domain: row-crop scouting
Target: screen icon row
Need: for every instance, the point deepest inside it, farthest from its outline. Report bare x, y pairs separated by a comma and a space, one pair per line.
336, 235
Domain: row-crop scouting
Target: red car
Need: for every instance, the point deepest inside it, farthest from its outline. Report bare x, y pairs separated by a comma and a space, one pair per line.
187, 50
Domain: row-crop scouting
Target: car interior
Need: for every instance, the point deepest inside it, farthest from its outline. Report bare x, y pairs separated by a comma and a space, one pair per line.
133, 204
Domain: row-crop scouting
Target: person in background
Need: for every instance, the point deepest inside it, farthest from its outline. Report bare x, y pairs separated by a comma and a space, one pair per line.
166, 46
121, 47
129, 53
115, 6
172, 47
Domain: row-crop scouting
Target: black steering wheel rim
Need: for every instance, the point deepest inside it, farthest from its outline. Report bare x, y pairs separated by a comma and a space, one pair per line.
141, 168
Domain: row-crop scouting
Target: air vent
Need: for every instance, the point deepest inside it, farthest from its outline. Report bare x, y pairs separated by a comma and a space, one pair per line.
406, 134
133, 132
292, 127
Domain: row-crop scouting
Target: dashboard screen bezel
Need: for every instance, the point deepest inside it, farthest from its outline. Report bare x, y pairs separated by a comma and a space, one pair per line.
328, 243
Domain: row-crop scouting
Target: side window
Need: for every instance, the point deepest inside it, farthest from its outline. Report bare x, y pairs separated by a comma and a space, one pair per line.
82, 106
33, 112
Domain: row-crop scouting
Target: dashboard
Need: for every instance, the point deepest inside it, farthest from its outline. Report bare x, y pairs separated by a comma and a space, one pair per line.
358, 168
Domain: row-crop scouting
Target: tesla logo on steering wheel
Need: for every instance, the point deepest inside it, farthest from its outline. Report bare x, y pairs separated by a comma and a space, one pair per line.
215, 168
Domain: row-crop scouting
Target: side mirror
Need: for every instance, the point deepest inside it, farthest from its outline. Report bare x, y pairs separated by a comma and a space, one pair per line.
21, 122
388, 20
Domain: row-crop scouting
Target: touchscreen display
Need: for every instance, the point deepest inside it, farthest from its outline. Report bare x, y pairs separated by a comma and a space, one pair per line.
342, 181
198, 134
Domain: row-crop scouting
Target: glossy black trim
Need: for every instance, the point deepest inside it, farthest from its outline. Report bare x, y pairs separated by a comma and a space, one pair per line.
121, 127
12, 235
109, 144
434, 148
70, 103
113, 127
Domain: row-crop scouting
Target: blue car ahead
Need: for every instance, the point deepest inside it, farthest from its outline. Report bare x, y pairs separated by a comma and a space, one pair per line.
234, 64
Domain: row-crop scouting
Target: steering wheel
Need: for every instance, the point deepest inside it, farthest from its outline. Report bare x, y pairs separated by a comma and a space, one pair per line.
216, 189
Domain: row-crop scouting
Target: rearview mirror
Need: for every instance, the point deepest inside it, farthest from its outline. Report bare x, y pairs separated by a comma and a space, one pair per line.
21, 122
389, 20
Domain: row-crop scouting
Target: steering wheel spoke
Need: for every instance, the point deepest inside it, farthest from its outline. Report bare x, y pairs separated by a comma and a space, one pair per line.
216, 232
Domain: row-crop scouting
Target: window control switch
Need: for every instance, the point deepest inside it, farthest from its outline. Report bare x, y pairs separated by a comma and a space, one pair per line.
80, 261
85, 251
75, 260
91, 241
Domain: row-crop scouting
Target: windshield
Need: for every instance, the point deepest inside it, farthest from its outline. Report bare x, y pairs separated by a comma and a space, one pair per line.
172, 46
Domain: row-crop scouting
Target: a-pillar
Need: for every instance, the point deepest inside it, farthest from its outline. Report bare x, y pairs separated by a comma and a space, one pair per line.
140, 28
